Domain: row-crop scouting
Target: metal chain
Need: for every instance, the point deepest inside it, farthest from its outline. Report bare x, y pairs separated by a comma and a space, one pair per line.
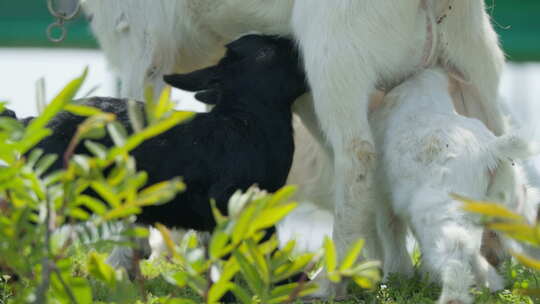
61, 18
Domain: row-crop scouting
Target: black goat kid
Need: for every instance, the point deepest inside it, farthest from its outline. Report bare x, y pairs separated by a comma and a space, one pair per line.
246, 139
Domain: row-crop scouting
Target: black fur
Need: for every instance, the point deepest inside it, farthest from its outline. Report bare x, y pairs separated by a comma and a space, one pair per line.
8, 113
246, 139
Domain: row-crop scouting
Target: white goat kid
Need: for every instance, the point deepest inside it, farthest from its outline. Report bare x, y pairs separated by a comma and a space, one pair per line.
427, 152
349, 48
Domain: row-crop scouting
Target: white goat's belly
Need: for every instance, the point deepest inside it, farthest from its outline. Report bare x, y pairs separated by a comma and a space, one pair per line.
191, 33
231, 18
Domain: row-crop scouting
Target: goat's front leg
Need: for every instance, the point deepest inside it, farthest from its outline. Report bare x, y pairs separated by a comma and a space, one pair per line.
341, 81
392, 232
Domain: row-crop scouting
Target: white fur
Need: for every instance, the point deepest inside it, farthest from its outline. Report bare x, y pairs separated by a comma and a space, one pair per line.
349, 48
428, 151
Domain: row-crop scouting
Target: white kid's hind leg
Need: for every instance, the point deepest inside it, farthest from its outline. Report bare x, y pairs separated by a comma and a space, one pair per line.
486, 275
449, 243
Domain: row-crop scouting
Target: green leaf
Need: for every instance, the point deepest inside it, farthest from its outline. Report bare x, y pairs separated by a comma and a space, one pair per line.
330, 257
198, 283
80, 214
137, 232
527, 261
94, 204
363, 282
282, 195
82, 164
519, 231
118, 133
217, 291
13, 127
121, 212
150, 103
367, 274
179, 278
288, 270
352, 255
82, 110
283, 293
135, 116
164, 103
242, 294
117, 175
192, 241
33, 158
100, 270
99, 150
106, 193
94, 126
259, 261
166, 235
150, 132
271, 216
220, 218
217, 244
45, 163
229, 270
241, 227
56, 105
487, 208
160, 193
249, 272
32, 139
78, 287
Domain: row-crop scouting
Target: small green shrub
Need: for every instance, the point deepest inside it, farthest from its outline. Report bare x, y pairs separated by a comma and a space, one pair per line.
38, 266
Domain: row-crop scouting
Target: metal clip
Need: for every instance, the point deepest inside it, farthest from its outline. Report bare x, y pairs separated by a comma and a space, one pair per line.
61, 18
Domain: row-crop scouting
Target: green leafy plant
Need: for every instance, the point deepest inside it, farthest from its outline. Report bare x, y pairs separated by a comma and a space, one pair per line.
35, 202
40, 264
237, 249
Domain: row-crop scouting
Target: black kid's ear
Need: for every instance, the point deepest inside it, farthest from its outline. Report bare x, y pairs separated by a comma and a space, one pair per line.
195, 81
209, 97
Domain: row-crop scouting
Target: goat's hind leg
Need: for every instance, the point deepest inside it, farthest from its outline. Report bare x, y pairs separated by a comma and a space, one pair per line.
449, 242
471, 47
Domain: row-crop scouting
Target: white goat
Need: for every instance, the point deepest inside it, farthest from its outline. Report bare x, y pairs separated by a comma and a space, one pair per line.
427, 152
349, 48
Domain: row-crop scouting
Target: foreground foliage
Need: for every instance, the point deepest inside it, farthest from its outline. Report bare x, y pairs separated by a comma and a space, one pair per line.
45, 260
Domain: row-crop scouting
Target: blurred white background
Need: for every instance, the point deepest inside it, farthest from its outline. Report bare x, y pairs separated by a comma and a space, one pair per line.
21, 68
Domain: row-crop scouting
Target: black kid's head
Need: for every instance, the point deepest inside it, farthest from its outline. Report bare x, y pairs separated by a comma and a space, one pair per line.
254, 64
